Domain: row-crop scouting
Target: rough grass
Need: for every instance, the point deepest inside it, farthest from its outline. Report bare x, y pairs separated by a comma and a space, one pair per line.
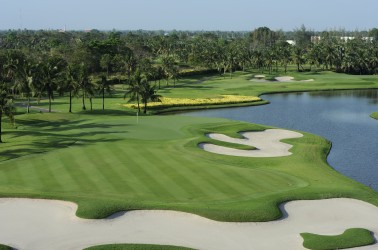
374, 115
355, 237
136, 247
109, 162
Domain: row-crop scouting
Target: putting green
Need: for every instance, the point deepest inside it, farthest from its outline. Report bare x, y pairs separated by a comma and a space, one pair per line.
107, 163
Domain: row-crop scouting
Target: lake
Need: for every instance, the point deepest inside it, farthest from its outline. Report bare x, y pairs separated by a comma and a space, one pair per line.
340, 116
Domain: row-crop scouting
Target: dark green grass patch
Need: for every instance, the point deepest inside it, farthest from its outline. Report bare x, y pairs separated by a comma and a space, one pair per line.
136, 247
354, 237
374, 115
5, 247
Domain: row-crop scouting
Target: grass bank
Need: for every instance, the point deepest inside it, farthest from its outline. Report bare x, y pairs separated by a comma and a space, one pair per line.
374, 115
136, 247
354, 237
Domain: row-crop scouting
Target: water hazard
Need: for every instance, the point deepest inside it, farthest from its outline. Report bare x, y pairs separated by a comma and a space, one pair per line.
340, 116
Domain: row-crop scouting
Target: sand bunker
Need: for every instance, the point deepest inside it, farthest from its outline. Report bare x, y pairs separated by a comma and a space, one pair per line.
267, 143
260, 78
47, 224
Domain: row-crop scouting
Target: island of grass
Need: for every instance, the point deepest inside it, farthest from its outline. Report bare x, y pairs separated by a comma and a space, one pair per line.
374, 115
354, 237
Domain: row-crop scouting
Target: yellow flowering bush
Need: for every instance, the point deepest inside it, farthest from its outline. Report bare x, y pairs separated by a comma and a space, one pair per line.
176, 102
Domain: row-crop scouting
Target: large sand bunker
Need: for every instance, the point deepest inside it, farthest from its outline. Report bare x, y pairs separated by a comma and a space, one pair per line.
261, 78
47, 224
267, 143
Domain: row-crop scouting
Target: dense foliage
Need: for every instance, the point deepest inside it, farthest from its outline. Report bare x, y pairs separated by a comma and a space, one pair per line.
43, 64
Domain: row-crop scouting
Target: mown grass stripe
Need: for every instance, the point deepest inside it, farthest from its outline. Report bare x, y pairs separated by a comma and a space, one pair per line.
14, 175
128, 171
29, 176
200, 177
104, 162
166, 176
77, 173
151, 178
179, 175
45, 174
191, 173
220, 181
93, 165
64, 175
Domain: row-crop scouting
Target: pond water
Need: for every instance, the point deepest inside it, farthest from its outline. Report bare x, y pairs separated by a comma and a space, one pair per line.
340, 116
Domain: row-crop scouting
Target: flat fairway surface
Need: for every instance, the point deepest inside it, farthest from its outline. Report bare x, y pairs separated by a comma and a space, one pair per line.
108, 163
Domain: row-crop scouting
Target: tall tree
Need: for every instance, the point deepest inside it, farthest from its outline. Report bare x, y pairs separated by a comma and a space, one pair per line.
148, 93
6, 104
71, 83
134, 88
104, 86
50, 75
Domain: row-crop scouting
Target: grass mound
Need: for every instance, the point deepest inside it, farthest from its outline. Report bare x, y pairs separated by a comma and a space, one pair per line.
354, 237
374, 115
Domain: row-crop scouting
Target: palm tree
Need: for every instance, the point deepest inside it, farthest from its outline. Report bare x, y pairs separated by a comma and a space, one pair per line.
134, 88
104, 86
85, 85
168, 64
148, 93
6, 104
25, 81
71, 84
50, 75
298, 57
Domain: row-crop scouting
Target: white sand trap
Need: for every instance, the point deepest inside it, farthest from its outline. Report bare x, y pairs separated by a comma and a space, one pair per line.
284, 78
46, 224
267, 143
260, 78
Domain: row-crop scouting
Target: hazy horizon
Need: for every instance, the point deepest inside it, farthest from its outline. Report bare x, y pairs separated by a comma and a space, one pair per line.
195, 15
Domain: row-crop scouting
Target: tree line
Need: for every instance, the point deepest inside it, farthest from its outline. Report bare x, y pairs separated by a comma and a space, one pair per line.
42, 64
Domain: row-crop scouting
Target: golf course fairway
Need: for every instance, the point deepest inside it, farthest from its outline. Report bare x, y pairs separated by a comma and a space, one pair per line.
109, 163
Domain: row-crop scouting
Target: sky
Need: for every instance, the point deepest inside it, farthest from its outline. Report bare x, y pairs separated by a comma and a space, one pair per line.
227, 15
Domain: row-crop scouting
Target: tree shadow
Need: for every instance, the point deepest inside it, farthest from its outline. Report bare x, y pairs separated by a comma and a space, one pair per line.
39, 135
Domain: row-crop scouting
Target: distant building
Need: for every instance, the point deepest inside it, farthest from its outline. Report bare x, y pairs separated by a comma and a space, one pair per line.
291, 42
316, 39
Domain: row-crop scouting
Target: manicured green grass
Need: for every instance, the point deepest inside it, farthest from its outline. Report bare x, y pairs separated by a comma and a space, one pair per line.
215, 86
136, 247
374, 115
355, 237
110, 162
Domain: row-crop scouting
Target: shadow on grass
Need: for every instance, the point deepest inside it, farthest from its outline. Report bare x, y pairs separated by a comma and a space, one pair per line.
112, 112
39, 136
58, 142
